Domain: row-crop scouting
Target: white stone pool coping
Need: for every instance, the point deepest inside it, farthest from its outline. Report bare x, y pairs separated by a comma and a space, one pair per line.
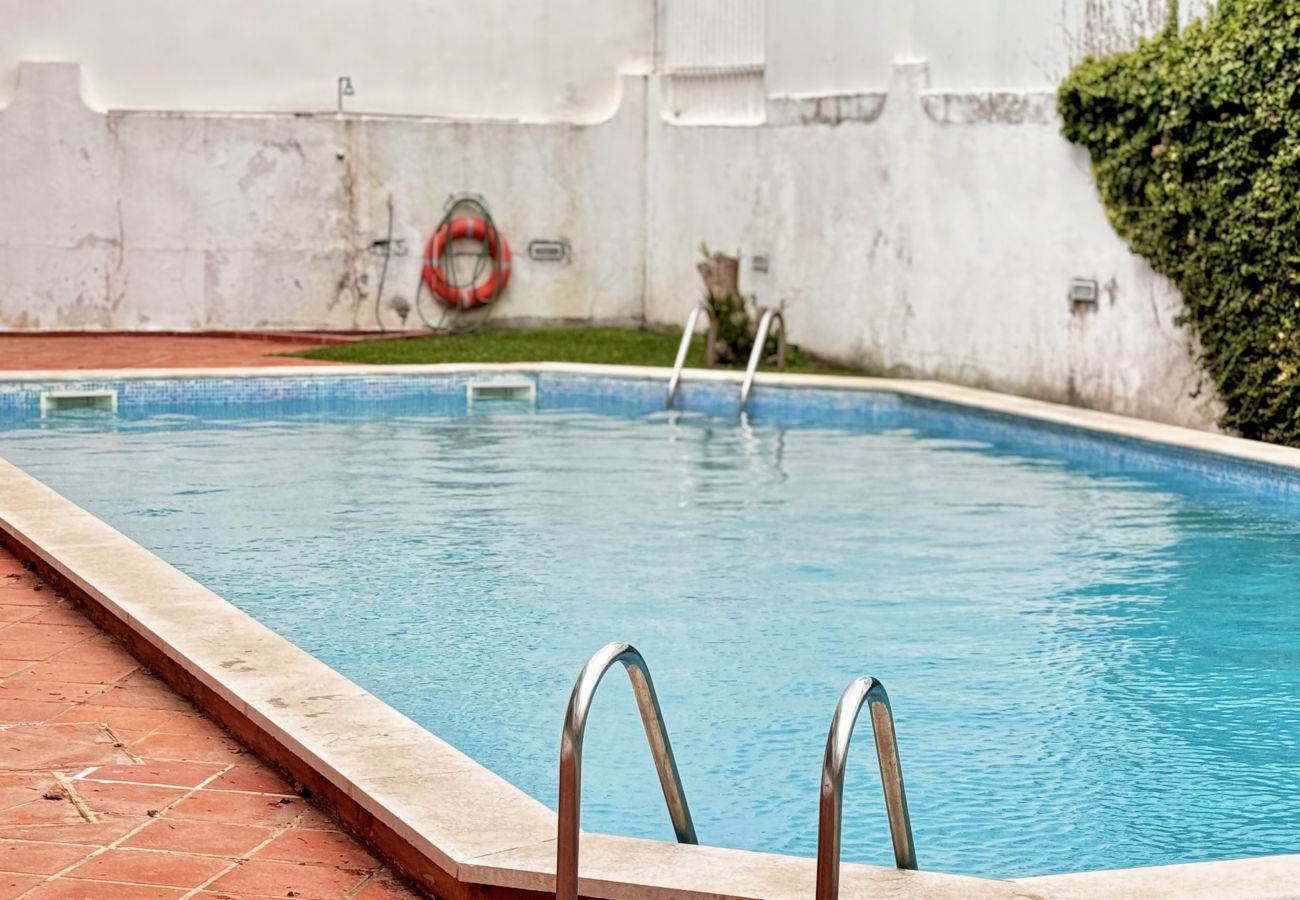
475, 827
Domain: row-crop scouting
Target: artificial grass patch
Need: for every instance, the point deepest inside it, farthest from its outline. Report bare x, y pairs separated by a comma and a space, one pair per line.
604, 346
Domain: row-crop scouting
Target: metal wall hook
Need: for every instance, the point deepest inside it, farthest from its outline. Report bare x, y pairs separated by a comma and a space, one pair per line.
345, 89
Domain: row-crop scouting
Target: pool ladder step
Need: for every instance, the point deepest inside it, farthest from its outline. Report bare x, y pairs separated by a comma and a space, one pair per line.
710, 349
767, 319
765, 323
862, 691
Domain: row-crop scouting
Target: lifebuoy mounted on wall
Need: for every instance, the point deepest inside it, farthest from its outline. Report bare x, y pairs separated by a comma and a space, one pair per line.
440, 276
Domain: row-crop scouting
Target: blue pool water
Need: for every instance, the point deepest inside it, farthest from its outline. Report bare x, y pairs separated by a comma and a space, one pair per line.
1092, 650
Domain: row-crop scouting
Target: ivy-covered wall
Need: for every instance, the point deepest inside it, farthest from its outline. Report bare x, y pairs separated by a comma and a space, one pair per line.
1195, 145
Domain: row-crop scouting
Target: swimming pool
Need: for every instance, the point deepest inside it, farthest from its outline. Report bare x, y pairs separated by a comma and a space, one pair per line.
1087, 643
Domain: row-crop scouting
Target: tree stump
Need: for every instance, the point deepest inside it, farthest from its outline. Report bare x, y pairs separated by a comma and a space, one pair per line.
721, 274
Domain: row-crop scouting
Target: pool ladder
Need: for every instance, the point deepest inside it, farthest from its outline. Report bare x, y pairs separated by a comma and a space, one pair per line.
765, 323
768, 318
863, 691
710, 350
575, 725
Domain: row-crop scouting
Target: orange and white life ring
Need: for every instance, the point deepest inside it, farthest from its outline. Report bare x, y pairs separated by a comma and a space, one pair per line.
437, 264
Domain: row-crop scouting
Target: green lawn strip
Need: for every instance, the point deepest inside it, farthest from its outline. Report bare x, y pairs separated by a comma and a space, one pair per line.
604, 346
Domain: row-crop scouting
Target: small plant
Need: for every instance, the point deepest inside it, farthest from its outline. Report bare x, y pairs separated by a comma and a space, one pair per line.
736, 316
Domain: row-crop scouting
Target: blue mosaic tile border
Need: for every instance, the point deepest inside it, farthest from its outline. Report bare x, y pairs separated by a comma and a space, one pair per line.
785, 406
138, 395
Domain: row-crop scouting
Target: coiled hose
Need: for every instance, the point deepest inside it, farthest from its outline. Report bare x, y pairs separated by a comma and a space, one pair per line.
483, 259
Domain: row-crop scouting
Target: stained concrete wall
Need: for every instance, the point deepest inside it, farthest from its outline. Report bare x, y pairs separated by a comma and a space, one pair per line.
918, 218
928, 234
193, 222
540, 60
848, 46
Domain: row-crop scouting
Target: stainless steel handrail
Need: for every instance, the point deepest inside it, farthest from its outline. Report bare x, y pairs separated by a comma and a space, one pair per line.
575, 724
674, 381
755, 355
861, 690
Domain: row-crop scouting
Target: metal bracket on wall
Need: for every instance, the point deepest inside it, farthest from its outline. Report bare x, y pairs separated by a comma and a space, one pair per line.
345, 90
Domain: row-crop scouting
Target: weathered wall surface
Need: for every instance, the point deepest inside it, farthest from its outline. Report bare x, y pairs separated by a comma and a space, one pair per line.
920, 218
848, 46
538, 60
193, 222
929, 234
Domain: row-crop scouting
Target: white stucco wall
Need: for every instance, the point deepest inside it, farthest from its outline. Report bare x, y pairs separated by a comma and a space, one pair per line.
921, 217
845, 46
928, 234
213, 222
538, 60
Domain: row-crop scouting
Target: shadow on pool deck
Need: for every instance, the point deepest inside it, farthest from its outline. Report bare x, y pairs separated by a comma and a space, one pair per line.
112, 786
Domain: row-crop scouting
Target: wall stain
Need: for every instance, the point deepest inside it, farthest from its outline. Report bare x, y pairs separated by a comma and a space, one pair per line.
349, 289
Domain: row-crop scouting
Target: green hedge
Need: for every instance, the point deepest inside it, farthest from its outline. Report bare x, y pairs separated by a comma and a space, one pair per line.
1195, 144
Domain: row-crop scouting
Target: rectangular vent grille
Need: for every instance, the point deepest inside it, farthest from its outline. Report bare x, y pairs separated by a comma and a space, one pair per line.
57, 401
501, 392
1083, 290
547, 251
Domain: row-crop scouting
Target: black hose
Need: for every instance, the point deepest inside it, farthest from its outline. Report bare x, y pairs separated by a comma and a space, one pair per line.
483, 258
383, 273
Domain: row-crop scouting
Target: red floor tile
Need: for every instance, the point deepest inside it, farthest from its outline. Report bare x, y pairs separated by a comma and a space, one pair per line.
62, 614
16, 591
127, 799
313, 819
40, 857
139, 697
27, 687
170, 774
154, 351
152, 867
50, 746
101, 833
17, 712
11, 614
97, 649
217, 749
68, 889
206, 838
32, 651
251, 809
276, 879
47, 634
131, 718
94, 672
140, 827
23, 802
251, 778
327, 848
15, 885
385, 889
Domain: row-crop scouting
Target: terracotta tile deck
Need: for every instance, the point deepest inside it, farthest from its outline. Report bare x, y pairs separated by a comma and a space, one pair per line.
112, 786
145, 351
